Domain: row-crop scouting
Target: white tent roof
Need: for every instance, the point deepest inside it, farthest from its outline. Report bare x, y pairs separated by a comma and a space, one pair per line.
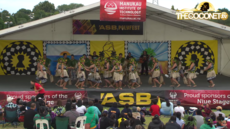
154, 12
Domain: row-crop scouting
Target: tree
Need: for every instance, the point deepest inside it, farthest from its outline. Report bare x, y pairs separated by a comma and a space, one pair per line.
66, 7
172, 7
46, 6
196, 5
22, 16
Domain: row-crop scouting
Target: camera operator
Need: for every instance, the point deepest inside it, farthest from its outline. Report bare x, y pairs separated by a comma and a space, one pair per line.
38, 89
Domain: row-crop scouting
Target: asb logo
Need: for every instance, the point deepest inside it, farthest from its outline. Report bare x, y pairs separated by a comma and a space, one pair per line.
110, 8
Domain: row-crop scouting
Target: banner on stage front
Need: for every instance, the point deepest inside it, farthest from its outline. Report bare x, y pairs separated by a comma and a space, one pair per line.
107, 47
199, 51
18, 57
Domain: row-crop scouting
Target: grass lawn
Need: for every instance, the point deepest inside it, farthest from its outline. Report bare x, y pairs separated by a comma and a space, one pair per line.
147, 118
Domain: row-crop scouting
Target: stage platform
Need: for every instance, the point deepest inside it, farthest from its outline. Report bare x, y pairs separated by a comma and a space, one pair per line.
22, 83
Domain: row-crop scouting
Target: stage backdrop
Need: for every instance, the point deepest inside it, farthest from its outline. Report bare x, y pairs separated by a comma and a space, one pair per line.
158, 49
198, 50
19, 57
107, 47
55, 50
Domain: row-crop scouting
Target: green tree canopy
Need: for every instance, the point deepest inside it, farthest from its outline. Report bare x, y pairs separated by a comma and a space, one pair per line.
45, 6
66, 7
172, 7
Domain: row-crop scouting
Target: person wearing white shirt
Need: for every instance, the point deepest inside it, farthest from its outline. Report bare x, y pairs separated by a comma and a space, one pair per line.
81, 109
199, 119
179, 108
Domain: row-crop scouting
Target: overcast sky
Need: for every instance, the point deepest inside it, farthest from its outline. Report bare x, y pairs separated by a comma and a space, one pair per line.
14, 5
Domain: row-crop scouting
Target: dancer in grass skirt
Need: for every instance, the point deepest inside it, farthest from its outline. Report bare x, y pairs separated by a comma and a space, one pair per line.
192, 74
132, 74
64, 73
211, 74
97, 77
41, 73
81, 73
174, 72
58, 72
155, 72
107, 74
118, 75
47, 65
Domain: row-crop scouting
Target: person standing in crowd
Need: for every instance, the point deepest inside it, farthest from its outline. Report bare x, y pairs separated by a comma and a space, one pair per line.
179, 108
114, 110
47, 65
80, 108
172, 124
144, 62
95, 56
155, 109
98, 105
72, 69
207, 124
72, 114
91, 117
38, 89
166, 108
191, 73
211, 74
199, 119
96, 110
29, 115
156, 123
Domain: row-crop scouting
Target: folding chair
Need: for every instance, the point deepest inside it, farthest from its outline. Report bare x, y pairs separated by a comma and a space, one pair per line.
82, 120
41, 123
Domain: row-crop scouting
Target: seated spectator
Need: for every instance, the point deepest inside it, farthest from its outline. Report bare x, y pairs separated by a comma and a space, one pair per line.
1, 115
213, 117
104, 121
131, 119
154, 109
199, 119
172, 124
113, 118
220, 120
11, 107
33, 100
179, 108
42, 115
68, 105
124, 125
111, 124
207, 124
219, 109
72, 114
142, 115
126, 110
190, 122
60, 109
98, 105
137, 123
207, 110
135, 113
96, 110
81, 109
29, 116
179, 121
166, 108
121, 119
114, 110
156, 123
74, 101
48, 106
22, 113
91, 117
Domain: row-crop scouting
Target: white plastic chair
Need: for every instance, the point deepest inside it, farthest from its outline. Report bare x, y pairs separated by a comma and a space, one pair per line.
82, 120
41, 122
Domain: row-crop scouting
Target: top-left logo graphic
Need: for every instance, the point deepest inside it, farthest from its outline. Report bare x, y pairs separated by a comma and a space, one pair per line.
110, 8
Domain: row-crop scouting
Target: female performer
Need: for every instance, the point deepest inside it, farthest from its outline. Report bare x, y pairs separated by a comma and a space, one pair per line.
191, 73
211, 74
58, 71
91, 73
64, 73
97, 77
156, 72
107, 74
132, 73
42, 74
81, 74
174, 72
118, 75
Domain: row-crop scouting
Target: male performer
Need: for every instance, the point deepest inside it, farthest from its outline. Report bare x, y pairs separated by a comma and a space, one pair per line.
71, 69
144, 62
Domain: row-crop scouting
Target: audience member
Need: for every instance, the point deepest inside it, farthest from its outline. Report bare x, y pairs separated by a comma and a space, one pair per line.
179, 108
113, 118
142, 115
72, 114
207, 110
213, 117
42, 115
199, 119
98, 105
60, 109
220, 120
172, 124
126, 110
190, 122
10, 103
114, 110
124, 125
74, 101
166, 108
154, 109
179, 121
96, 110
33, 100
121, 119
68, 105
104, 121
29, 116
132, 120
91, 117
219, 109
156, 123
135, 113
81, 109
207, 124
111, 124
137, 123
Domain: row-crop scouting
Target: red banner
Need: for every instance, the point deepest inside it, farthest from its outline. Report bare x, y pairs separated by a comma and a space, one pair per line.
51, 96
123, 10
195, 98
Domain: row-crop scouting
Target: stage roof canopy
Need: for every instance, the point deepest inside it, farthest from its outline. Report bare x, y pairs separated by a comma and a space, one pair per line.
154, 12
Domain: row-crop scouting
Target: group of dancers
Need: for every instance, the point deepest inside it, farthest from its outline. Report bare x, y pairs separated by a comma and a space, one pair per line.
117, 72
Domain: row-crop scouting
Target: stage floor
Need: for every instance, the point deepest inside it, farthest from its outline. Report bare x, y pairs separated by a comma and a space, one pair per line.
22, 83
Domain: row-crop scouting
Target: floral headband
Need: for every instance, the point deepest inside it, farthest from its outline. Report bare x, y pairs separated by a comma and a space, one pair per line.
210, 61
131, 60
118, 62
155, 59
192, 60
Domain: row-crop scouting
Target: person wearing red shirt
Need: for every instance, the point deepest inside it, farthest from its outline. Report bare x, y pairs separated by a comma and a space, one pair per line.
38, 89
155, 109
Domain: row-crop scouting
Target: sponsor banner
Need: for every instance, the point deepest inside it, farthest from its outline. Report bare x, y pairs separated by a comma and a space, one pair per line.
19, 57
107, 47
123, 97
123, 10
97, 27
199, 51
51, 96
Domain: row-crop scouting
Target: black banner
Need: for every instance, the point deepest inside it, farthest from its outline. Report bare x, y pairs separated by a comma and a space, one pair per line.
143, 98
96, 27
